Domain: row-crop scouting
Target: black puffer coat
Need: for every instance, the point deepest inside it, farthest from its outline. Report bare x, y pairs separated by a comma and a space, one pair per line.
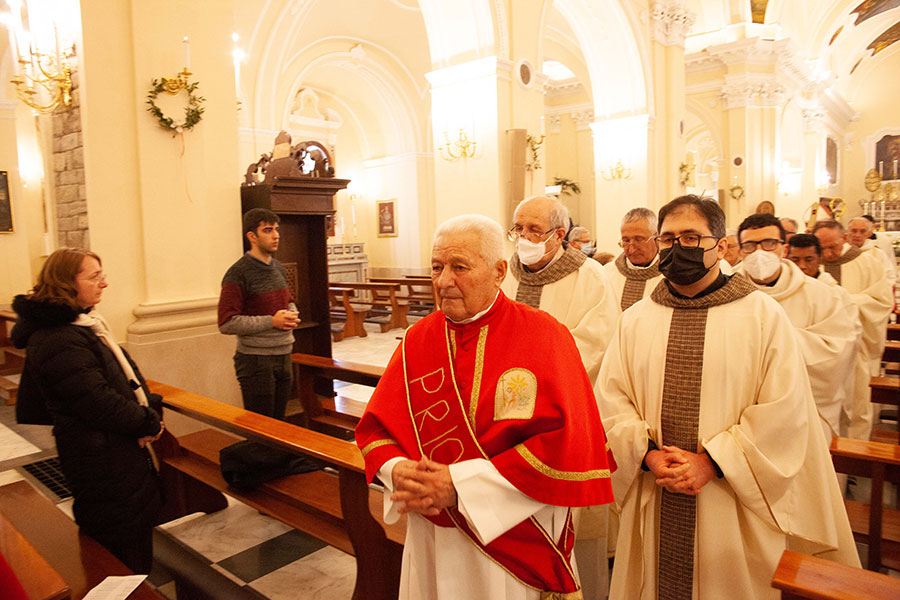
71, 377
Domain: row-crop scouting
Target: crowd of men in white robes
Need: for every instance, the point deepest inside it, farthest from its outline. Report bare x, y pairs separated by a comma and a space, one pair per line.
718, 402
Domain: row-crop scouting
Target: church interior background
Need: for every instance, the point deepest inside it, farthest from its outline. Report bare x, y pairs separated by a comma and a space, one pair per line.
441, 107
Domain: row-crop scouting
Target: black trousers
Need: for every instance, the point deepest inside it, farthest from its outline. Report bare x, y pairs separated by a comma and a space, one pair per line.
134, 549
265, 382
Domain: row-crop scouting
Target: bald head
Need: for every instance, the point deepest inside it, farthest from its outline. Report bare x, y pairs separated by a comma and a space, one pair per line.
541, 220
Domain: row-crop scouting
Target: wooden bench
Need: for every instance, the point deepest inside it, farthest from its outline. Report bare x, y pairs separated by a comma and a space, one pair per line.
803, 576
384, 300
420, 291
80, 561
334, 415
339, 509
342, 309
893, 331
872, 523
13, 358
891, 351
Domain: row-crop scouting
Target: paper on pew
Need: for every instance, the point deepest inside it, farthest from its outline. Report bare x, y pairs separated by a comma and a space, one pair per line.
115, 587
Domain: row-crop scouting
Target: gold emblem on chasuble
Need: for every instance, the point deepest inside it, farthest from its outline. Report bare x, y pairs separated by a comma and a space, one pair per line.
515, 395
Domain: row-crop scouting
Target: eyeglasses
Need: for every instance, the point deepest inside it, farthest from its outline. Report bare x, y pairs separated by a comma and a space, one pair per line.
635, 241
517, 232
768, 245
99, 277
688, 240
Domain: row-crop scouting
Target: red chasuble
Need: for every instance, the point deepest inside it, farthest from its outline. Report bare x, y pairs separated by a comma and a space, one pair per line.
511, 388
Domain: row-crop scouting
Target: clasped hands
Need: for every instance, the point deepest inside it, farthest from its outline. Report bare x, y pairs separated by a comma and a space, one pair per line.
680, 471
149, 439
423, 487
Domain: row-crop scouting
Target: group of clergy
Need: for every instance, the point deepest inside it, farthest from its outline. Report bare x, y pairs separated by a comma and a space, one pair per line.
718, 395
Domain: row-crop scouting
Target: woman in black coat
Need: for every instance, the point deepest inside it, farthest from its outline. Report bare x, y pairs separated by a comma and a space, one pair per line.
79, 380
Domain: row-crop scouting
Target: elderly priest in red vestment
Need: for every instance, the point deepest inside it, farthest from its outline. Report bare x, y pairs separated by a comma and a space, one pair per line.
485, 430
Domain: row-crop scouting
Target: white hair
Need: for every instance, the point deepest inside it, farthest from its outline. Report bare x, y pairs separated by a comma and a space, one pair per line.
559, 214
488, 231
868, 223
636, 214
577, 232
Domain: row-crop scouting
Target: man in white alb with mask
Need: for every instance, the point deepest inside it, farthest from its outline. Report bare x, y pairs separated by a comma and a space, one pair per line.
547, 273
826, 322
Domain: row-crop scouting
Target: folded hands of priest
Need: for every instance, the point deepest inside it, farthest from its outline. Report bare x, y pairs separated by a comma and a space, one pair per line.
680, 471
424, 487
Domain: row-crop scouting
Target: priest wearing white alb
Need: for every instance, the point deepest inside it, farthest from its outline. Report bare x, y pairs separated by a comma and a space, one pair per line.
862, 274
825, 320
860, 234
546, 273
722, 464
635, 272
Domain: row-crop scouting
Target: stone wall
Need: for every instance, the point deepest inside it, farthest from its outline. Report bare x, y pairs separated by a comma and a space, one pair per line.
68, 174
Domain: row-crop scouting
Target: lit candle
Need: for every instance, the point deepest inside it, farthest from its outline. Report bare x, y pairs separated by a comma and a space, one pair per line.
186, 48
895, 168
881, 168
353, 212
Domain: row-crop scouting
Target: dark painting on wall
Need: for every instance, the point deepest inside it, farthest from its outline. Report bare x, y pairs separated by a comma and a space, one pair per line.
6, 224
887, 157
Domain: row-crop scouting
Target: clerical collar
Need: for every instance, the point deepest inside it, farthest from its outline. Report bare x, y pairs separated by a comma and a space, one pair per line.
478, 316
721, 280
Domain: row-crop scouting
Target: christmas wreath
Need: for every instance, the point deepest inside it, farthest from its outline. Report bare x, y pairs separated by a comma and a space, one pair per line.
192, 113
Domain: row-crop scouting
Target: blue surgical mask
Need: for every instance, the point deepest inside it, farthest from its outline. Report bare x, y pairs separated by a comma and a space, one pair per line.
587, 248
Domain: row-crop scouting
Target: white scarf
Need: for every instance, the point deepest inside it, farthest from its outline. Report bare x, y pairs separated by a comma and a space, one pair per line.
100, 327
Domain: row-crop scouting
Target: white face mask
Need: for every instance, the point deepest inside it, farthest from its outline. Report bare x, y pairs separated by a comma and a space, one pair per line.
530, 252
761, 265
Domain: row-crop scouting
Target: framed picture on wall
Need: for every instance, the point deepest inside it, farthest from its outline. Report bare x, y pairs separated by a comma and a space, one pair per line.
386, 211
887, 157
6, 224
831, 159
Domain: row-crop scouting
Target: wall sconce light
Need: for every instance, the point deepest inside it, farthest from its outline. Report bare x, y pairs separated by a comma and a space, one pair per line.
617, 172
43, 81
462, 147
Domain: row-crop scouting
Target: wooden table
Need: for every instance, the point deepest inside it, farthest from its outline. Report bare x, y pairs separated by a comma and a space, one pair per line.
80, 561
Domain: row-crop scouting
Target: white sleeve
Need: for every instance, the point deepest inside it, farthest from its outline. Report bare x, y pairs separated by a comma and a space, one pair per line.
384, 474
490, 503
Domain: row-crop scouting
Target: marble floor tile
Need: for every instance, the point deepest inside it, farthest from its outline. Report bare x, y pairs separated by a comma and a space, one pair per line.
374, 349
262, 559
13, 445
227, 532
327, 574
355, 391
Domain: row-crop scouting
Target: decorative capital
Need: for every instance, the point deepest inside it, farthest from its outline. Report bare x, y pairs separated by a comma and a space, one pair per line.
555, 122
760, 92
812, 119
672, 22
583, 119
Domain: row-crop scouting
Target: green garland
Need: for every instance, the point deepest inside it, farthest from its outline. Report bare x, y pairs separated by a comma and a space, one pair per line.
192, 114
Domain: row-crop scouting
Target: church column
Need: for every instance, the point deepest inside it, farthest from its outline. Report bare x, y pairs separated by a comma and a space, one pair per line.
164, 211
671, 22
465, 105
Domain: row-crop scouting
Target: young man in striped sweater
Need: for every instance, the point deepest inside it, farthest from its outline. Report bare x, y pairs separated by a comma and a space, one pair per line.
256, 306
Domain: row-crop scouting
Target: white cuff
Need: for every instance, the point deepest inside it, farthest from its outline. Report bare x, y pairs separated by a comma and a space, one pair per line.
385, 475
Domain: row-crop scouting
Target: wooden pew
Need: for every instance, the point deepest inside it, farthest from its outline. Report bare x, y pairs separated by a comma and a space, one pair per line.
338, 415
353, 316
803, 576
891, 351
420, 292
384, 298
13, 358
893, 331
79, 560
872, 523
36, 577
340, 509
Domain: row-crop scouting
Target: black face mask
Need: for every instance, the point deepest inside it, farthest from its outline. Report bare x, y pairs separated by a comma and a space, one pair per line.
683, 266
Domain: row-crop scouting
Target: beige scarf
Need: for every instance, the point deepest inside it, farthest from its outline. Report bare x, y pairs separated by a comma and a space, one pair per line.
100, 327
532, 284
